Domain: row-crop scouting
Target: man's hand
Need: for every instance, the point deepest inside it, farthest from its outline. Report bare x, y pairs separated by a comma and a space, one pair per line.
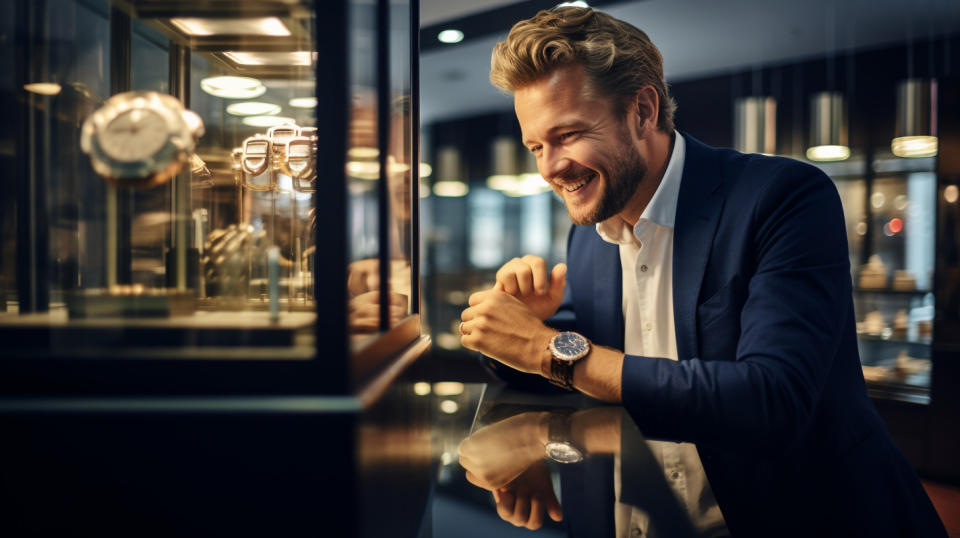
497, 454
502, 327
523, 501
364, 311
526, 279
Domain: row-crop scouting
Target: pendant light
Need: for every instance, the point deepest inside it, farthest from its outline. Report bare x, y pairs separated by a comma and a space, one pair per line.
828, 128
916, 130
828, 122
504, 156
449, 184
755, 125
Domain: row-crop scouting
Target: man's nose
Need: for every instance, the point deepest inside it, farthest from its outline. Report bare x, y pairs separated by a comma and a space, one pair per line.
553, 164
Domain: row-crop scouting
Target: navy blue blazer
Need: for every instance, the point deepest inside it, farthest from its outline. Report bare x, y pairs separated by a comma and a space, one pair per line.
769, 384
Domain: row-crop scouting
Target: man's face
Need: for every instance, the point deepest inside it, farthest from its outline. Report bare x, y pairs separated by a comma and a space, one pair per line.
583, 145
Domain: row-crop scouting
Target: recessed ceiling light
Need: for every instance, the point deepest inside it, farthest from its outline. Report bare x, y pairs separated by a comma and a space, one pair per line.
253, 108
43, 88
266, 121
450, 36
303, 102
233, 87
299, 58
270, 26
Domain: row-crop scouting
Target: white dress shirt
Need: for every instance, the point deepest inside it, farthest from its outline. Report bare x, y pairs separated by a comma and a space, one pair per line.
646, 260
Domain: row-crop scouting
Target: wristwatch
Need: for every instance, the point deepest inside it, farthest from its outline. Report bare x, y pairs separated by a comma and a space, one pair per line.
140, 139
567, 348
560, 447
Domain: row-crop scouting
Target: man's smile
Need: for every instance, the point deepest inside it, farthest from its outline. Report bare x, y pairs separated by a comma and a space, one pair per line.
575, 185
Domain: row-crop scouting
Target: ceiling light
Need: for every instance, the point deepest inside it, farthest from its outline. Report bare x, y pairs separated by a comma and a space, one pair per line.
269, 26
298, 58
267, 121
828, 153
450, 189
450, 36
43, 88
303, 102
233, 87
828, 128
528, 185
501, 182
425, 170
578, 3
369, 170
916, 131
448, 388
363, 152
755, 125
253, 108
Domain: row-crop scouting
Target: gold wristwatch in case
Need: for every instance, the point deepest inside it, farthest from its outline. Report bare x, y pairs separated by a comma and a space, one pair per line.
140, 139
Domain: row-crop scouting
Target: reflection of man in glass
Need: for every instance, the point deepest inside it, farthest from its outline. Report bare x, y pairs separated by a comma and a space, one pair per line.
363, 280
724, 279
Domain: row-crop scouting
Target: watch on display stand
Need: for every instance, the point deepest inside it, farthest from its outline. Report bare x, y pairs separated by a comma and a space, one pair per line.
138, 140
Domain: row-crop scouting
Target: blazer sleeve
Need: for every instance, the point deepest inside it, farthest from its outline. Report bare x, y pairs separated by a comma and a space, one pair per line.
798, 300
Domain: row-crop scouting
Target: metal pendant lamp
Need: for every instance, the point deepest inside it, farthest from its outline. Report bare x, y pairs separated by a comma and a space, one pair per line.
916, 129
755, 125
828, 128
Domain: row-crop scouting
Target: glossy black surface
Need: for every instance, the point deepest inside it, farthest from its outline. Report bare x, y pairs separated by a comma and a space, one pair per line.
494, 477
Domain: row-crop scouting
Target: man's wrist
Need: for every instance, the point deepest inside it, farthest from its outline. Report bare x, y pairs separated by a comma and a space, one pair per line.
546, 356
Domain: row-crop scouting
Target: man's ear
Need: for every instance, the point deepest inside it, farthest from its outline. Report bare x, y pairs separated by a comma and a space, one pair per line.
646, 105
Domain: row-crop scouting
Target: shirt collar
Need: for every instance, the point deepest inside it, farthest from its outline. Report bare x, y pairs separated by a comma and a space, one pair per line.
662, 208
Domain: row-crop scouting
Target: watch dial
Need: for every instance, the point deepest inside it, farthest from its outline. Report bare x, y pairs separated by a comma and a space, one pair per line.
570, 344
135, 135
563, 453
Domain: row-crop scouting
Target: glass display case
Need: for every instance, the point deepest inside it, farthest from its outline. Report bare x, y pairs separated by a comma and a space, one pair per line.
890, 208
217, 192
209, 296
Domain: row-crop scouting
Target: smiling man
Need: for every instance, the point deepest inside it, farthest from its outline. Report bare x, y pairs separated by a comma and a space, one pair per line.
708, 291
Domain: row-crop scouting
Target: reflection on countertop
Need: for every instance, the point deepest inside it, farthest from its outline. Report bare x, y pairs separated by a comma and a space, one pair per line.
565, 465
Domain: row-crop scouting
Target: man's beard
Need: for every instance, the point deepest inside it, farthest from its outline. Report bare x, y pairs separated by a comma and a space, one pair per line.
622, 182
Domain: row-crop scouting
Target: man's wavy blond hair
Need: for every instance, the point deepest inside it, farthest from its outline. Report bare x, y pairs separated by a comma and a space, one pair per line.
618, 57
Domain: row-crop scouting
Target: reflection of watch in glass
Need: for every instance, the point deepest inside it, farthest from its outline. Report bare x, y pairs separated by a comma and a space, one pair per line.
567, 348
140, 139
560, 446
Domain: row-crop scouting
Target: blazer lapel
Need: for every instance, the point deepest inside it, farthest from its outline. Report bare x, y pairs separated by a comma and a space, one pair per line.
607, 295
698, 211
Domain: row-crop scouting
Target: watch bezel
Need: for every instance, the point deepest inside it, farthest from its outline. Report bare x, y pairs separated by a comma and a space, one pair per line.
560, 356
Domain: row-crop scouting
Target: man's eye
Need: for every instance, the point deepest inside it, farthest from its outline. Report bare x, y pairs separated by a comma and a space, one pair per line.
535, 149
565, 136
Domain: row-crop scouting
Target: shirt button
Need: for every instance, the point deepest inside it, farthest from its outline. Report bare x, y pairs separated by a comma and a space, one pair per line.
643, 268
649, 326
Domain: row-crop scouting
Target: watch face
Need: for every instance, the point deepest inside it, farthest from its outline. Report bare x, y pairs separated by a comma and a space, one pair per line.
134, 135
569, 346
563, 452
140, 139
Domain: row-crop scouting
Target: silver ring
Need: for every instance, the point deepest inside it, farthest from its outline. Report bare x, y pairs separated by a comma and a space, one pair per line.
461, 329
